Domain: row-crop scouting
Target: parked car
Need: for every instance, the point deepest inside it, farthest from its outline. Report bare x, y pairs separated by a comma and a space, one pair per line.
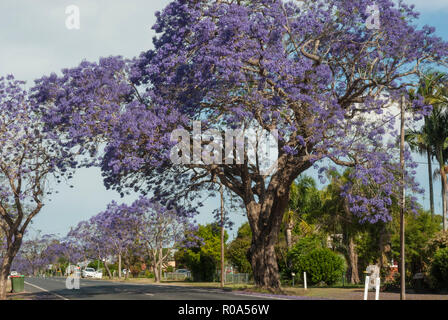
13, 273
91, 273
98, 274
182, 271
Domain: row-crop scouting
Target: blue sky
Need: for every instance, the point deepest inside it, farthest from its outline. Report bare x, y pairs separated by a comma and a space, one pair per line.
35, 42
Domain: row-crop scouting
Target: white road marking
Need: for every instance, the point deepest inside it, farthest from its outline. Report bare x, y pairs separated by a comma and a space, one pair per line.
258, 296
55, 294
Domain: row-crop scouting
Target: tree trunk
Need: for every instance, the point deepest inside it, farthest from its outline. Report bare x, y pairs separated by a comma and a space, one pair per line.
160, 264
4, 272
128, 269
155, 267
385, 249
119, 266
107, 269
264, 265
444, 195
353, 261
5, 268
431, 186
288, 233
265, 221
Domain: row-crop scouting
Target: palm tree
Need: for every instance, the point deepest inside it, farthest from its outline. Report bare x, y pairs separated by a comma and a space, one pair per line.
418, 141
302, 194
432, 89
437, 130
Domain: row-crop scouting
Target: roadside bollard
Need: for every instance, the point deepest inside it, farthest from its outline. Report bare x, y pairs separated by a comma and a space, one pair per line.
377, 289
366, 288
304, 281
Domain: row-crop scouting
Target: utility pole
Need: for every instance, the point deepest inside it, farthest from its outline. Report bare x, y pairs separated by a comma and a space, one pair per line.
221, 190
403, 204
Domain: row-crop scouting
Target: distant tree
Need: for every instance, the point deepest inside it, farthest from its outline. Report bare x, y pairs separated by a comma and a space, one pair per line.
420, 228
159, 230
201, 251
35, 252
238, 249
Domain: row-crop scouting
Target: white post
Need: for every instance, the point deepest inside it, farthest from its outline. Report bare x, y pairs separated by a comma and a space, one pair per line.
366, 288
377, 288
304, 280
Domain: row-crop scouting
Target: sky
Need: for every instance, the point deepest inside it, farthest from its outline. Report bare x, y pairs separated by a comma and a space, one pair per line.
34, 41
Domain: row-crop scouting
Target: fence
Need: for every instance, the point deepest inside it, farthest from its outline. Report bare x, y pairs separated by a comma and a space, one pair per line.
234, 278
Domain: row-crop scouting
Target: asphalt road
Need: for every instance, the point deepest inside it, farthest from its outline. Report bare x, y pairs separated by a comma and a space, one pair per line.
54, 288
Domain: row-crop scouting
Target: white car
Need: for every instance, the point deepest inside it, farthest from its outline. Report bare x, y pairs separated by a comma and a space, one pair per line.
14, 273
91, 273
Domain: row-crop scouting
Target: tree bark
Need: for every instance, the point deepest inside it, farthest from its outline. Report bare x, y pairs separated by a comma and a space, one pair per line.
353, 261
385, 248
443, 179
444, 195
265, 222
288, 233
107, 269
431, 186
4, 272
5, 268
119, 265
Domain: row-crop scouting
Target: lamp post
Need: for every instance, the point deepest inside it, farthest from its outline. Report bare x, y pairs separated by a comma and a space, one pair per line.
402, 206
221, 190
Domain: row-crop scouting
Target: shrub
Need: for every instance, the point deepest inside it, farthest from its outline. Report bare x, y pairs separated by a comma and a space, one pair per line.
304, 246
320, 265
439, 268
439, 241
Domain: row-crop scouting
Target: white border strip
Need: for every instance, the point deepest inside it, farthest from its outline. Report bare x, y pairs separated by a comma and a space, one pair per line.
259, 296
55, 294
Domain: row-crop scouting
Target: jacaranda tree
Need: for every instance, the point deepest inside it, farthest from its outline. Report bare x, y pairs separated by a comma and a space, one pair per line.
28, 158
316, 74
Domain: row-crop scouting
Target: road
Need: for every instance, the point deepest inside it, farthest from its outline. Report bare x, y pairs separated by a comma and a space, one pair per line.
55, 289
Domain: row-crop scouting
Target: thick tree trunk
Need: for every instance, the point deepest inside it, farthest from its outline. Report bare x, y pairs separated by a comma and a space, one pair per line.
4, 272
5, 267
264, 265
156, 272
431, 186
265, 223
353, 261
